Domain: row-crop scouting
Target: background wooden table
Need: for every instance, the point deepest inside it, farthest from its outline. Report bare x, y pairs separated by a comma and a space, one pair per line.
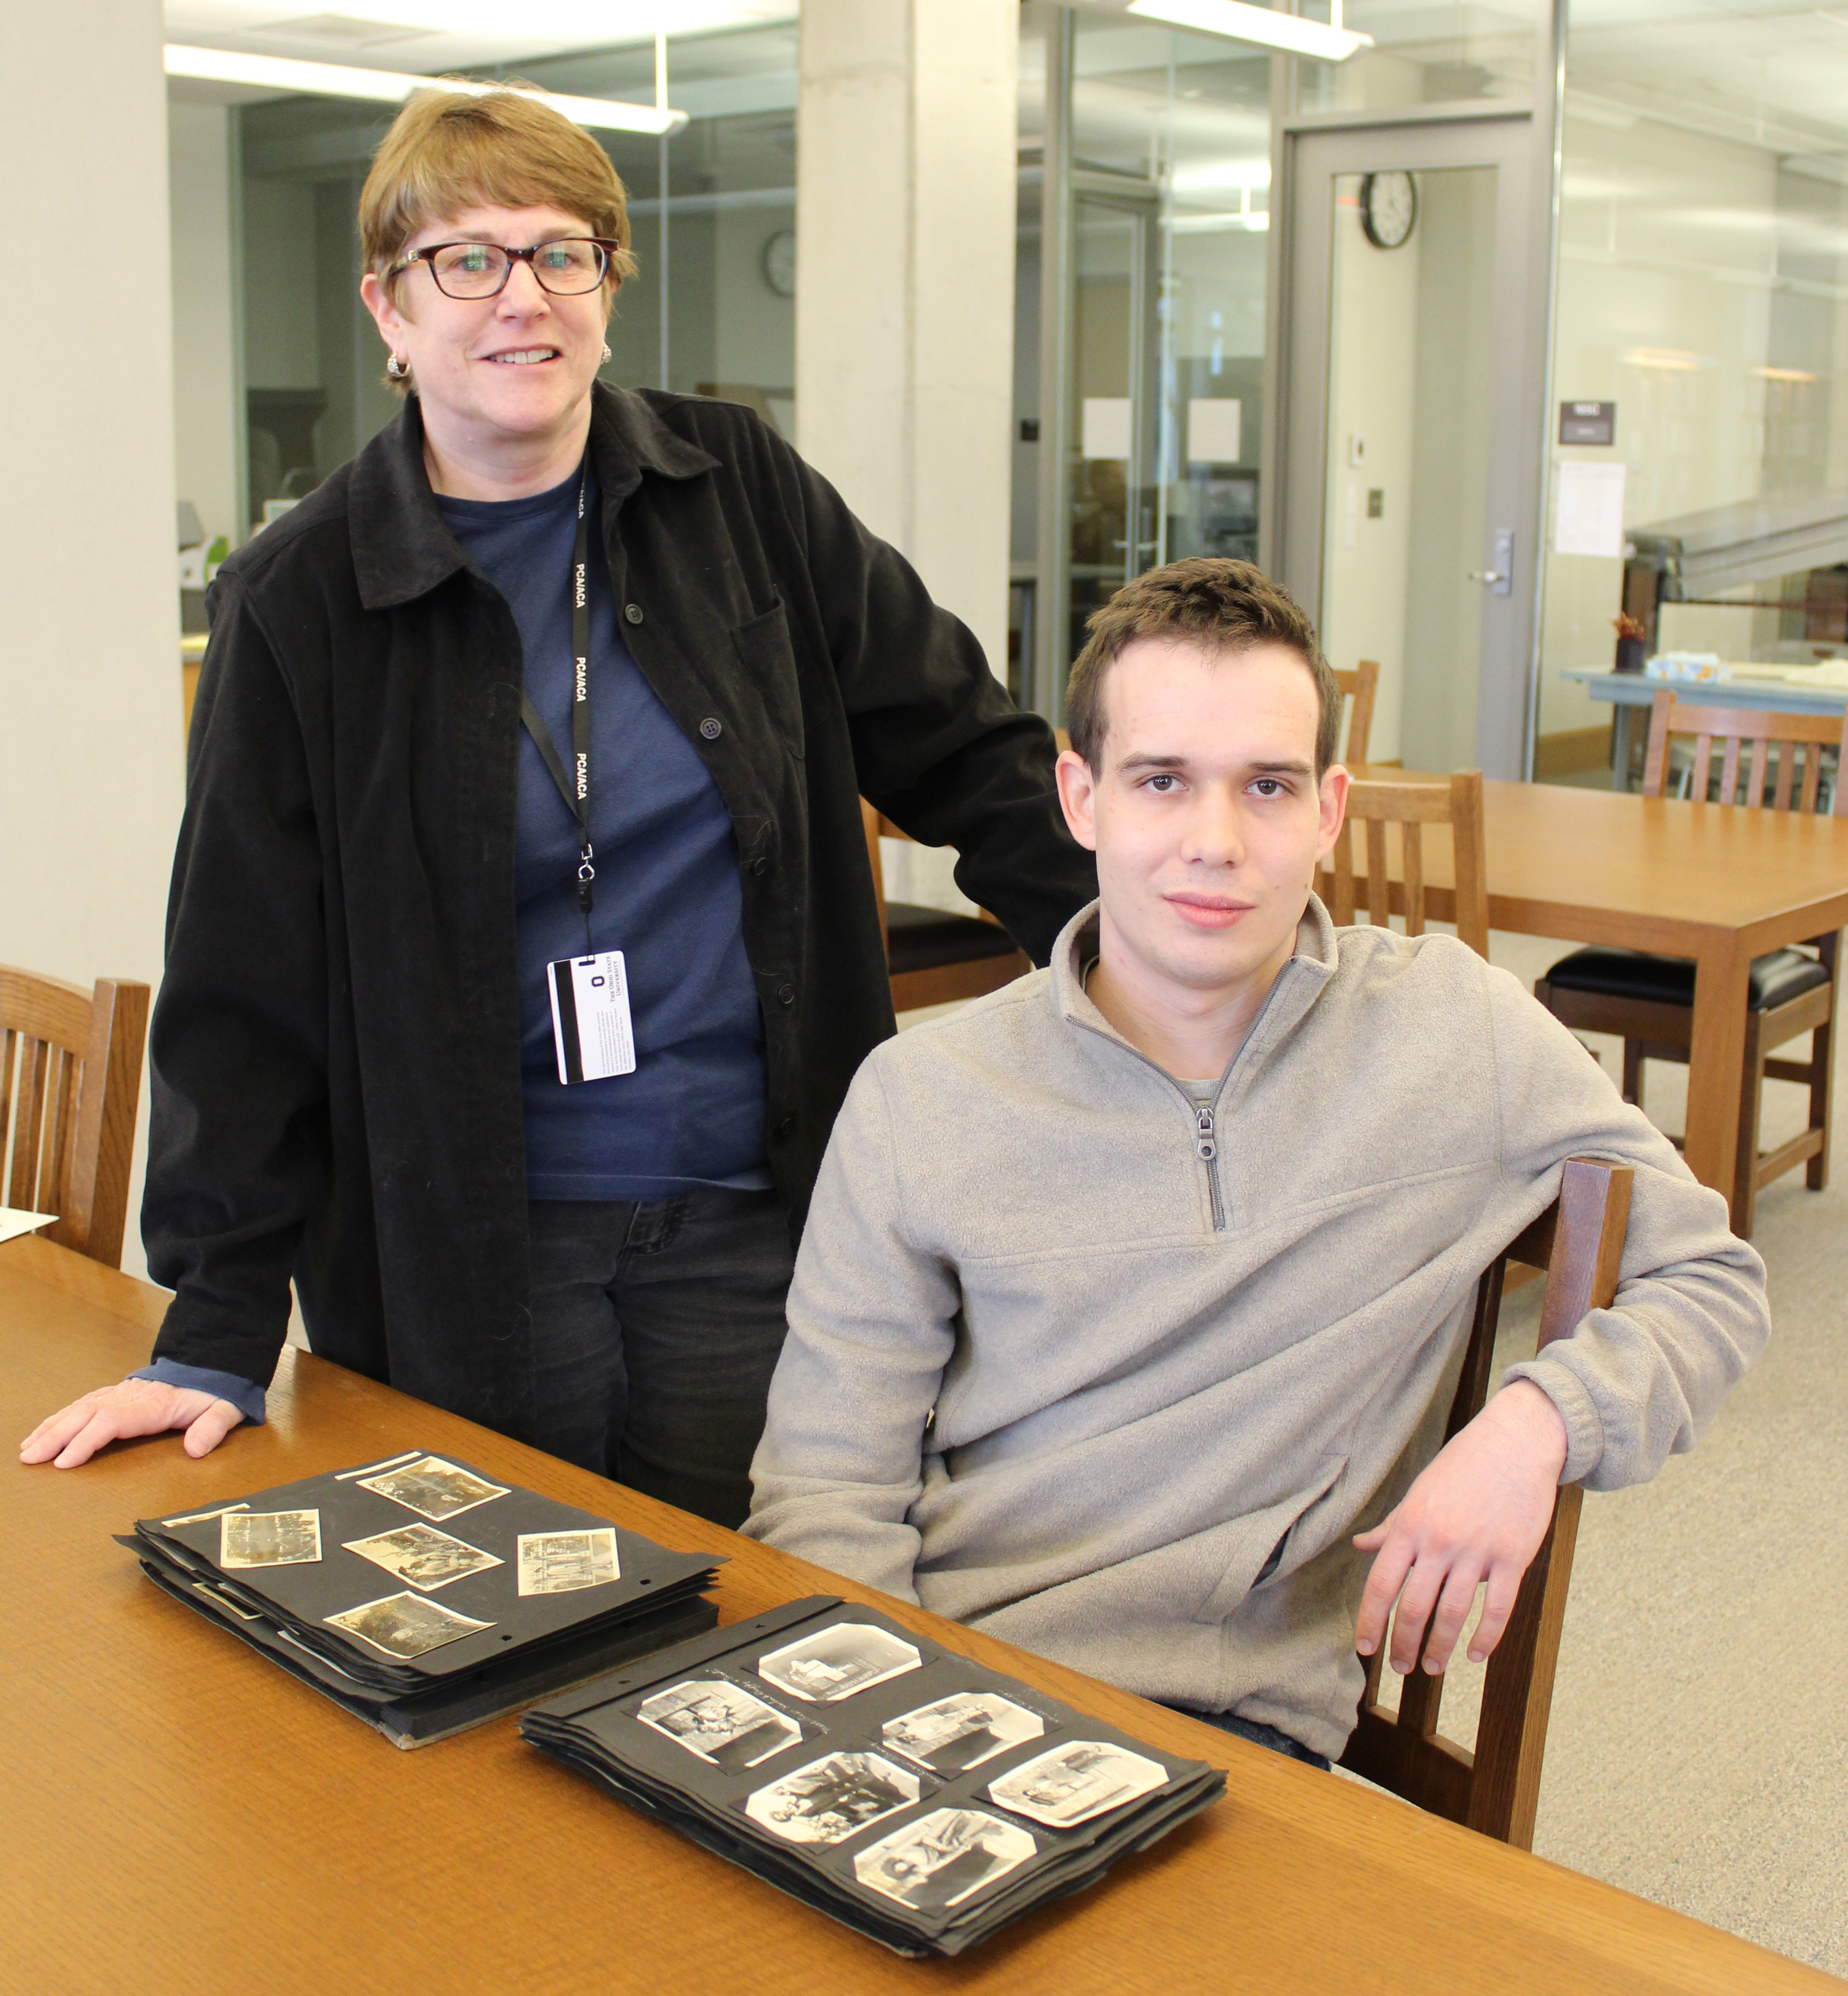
1718, 883
181, 1815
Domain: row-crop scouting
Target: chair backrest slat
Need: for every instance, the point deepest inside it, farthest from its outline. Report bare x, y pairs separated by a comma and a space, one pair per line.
1359, 685
1342, 909
1579, 1242
1379, 881
1757, 729
1411, 842
70, 1085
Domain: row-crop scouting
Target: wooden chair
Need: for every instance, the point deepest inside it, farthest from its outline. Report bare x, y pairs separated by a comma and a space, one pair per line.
70, 1085
1360, 685
1648, 1000
1456, 802
1578, 1243
933, 957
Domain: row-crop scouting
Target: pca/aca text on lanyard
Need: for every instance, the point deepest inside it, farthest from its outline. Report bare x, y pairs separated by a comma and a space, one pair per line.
592, 1034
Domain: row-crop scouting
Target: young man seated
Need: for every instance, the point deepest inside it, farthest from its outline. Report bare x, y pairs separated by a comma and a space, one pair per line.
1134, 1296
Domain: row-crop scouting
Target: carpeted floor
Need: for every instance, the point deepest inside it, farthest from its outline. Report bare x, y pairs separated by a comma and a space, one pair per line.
1698, 1752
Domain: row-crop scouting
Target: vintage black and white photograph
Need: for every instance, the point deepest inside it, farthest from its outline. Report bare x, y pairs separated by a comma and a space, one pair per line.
720, 1722
1071, 1784
961, 1731
562, 1562
405, 1625
832, 1799
938, 1861
833, 1663
433, 1488
420, 1554
269, 1538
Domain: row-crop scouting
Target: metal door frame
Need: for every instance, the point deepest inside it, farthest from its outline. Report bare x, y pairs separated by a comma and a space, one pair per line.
1310, 150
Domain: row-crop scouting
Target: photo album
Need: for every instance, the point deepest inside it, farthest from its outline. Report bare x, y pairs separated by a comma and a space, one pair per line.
913, 1795
421, 1596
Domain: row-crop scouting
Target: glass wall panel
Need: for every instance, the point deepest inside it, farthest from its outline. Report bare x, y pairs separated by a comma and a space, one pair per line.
1434, 51
1703, 296
1171, 169
711, 311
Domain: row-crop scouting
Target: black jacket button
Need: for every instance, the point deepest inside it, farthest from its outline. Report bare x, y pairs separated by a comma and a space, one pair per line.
786, 994
786, 1128
760, 866
633, 612
711, 729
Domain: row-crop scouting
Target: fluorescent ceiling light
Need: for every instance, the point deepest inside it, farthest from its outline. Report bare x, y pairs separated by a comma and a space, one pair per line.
1268, 26
383, 86
1217, 175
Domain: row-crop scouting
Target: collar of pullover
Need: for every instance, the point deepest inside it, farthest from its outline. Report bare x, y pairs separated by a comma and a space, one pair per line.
1314, 962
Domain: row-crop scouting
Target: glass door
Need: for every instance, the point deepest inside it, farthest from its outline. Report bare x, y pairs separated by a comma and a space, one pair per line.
1409, 468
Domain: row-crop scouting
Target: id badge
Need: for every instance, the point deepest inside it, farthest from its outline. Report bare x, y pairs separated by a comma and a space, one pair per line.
590, 1029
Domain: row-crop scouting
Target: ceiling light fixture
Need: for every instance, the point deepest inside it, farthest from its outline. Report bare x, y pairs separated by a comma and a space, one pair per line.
383, 86
1268, 26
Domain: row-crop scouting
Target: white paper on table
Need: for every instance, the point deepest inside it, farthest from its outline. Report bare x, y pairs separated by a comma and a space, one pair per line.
1590, 518
13, 1221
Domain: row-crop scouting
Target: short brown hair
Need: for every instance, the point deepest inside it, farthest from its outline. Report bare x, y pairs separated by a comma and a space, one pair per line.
1210, 600
446, 151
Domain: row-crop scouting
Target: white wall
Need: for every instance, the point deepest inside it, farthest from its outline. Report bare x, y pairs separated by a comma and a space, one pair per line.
89, 675
205, 369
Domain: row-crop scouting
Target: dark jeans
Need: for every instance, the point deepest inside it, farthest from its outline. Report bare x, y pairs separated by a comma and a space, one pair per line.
655, 1329
1260, 1734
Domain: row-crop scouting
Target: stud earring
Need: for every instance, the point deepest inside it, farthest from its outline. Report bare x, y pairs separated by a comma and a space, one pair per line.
399, 370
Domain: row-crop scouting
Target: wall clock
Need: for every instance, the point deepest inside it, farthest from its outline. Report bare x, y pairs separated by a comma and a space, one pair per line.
1388, 208
779, 263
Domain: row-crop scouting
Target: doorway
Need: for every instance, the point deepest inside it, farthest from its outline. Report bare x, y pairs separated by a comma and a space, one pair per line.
1407, 472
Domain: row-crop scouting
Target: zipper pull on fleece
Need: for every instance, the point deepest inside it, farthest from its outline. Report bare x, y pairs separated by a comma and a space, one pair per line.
1205, 1144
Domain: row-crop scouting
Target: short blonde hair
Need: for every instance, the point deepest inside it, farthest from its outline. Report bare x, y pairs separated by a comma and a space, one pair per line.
446, 152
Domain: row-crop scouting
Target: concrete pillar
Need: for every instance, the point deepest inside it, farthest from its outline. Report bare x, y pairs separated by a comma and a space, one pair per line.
89, 673
904, 285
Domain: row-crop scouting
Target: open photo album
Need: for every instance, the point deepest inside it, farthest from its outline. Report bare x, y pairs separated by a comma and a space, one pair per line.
423, 1596
912, 1793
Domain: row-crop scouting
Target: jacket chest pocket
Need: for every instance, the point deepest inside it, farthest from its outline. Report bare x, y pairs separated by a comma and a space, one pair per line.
769, 659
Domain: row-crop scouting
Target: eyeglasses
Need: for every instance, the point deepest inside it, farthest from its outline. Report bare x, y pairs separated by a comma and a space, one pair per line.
571, 265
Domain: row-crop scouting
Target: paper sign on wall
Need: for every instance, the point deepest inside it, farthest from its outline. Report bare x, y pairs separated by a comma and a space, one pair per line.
1106, 426
1590, 518
1213, 429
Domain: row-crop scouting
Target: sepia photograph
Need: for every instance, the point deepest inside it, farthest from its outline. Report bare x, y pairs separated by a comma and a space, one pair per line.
722, 1723
422, 1555
433, 1488
269, 1538
962, 1731
404, 1627
562, 1562
1071, 1784
833, 1663
938, 1861
832, 1799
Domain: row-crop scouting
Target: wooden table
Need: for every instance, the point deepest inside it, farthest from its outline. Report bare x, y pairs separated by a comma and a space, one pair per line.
1718, 883
180, 1814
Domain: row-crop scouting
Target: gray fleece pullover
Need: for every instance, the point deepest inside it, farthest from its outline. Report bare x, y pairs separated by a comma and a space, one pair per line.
1069, 1361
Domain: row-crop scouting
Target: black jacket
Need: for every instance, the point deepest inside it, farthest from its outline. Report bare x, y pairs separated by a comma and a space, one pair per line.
335, 1085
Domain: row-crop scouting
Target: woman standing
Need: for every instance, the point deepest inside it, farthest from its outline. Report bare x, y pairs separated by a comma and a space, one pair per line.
521, 942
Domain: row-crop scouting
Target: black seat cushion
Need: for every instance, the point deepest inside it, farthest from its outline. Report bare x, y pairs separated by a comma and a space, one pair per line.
1776, 979
926, 938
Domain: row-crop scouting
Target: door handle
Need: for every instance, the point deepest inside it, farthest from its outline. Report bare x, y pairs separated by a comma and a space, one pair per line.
1501, 577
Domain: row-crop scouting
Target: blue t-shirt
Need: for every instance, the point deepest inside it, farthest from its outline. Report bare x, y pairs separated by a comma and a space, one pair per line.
667, 894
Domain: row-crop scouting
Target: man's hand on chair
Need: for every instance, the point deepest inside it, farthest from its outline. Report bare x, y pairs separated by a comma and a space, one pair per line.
1477, 1512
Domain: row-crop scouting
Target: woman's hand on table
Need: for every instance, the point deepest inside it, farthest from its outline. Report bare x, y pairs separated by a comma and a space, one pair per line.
120, 1413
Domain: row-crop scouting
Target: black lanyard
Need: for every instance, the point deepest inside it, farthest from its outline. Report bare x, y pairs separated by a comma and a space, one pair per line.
577, 796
